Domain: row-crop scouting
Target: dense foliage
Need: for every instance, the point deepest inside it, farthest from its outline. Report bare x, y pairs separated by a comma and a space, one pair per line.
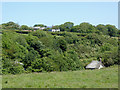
71, 49
10, 25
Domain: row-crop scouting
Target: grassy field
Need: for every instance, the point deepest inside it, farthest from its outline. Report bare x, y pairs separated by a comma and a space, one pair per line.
103, 78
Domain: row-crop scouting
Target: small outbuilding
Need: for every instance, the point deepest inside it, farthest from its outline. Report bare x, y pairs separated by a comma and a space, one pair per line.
95, 65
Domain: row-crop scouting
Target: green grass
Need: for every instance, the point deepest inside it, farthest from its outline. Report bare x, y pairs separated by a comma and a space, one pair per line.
103, 78
0, 82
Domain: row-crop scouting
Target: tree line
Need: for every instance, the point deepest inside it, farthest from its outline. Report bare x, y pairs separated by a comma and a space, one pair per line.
84, 27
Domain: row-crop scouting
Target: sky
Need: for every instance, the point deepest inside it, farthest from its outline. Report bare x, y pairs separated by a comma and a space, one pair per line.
56, 13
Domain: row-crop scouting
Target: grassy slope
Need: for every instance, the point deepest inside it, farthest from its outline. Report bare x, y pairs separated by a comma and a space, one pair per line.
104, 78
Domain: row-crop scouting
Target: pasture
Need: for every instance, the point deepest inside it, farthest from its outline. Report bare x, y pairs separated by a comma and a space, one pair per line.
103, 78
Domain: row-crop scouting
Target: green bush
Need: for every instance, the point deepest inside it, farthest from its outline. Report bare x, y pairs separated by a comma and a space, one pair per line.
110, 58
14, 69
39, 34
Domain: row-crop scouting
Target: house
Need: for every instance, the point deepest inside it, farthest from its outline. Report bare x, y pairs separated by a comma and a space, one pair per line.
36, 28
54, 30
95, 65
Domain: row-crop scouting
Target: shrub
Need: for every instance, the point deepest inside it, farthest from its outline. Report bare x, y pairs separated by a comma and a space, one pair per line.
110, 58
39, 34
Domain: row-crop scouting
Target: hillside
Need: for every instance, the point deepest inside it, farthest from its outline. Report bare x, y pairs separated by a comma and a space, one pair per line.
40, 51
103, 78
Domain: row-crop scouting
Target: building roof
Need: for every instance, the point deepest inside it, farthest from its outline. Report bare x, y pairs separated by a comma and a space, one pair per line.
94, 64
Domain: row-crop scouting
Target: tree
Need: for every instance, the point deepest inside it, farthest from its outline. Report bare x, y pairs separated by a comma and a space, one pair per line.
66, 26
70, 37
34, 42
75, 28
62, 27
10, 25
24, 27
86, 28
102, 28
56, 27
63, 45
40, 25
112, 30
29, 58
83, 28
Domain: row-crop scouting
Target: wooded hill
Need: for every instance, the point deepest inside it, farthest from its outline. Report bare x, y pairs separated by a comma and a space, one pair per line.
71, 49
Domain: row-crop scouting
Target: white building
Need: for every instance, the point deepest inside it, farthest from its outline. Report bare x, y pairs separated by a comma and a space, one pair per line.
41, 28
55, 30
